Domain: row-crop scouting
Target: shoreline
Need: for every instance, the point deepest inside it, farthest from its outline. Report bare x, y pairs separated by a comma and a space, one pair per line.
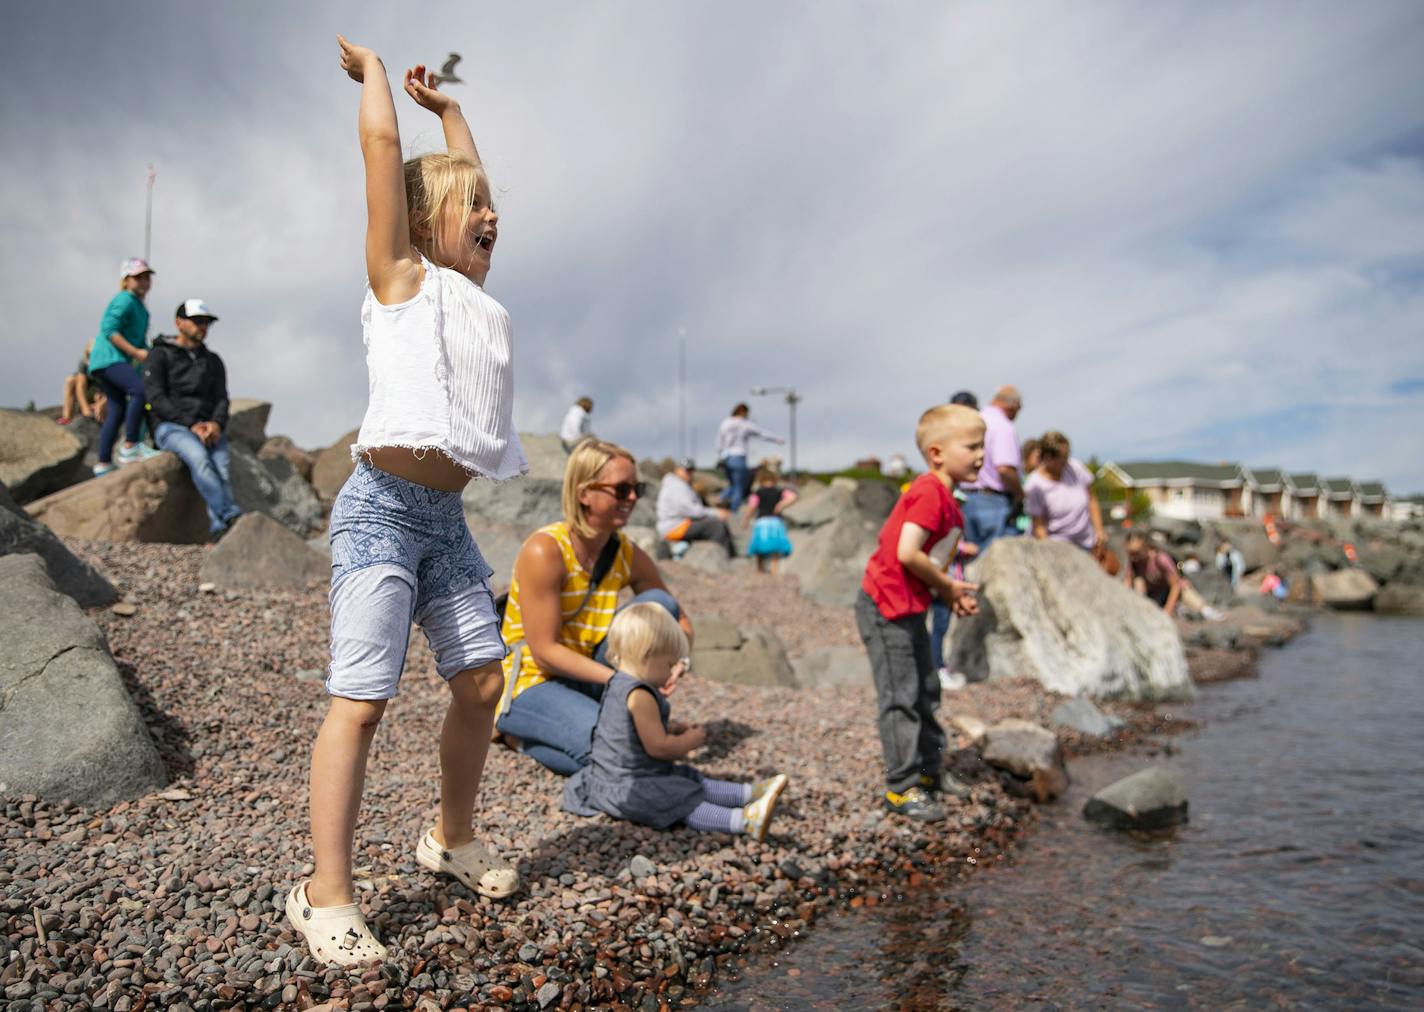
176, 898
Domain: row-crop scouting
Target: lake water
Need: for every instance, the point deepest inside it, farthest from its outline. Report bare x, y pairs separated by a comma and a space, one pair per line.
1298, 882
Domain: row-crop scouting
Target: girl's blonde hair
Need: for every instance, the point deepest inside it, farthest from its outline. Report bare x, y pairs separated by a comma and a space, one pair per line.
641, 631
586, 460
434, 183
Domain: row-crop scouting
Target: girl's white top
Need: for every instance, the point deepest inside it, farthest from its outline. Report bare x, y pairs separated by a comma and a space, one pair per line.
441, 373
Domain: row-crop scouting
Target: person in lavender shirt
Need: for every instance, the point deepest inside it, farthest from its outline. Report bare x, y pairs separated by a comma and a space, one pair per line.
1058, 496
993, 497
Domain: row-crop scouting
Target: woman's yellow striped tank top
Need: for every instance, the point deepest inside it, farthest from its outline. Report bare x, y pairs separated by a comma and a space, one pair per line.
582, 629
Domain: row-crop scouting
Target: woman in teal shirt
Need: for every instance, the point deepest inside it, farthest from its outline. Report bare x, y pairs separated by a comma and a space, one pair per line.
120, 348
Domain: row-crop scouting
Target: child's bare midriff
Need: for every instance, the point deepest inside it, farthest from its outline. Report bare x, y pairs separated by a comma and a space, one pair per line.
430, 468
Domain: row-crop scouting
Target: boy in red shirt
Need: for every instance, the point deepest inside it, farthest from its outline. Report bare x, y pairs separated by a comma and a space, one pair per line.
900, 579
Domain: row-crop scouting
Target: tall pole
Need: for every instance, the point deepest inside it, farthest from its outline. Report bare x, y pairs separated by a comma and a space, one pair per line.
148, 218
791, 398
682, 391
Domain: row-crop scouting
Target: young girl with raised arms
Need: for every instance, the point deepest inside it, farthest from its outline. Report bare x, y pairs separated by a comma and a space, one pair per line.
631, 772
438, 354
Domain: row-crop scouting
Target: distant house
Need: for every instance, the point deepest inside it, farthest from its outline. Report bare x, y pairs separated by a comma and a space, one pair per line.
1411, 507
1270, 492
1372, 499
1184, 490
1305, 499
1339, 498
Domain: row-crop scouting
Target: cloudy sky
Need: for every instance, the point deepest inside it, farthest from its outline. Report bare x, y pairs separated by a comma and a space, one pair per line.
1183, 230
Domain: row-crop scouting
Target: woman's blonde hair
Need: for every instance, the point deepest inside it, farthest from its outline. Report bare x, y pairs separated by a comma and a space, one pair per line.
433, 183
586, 460
1054, 444
641, 631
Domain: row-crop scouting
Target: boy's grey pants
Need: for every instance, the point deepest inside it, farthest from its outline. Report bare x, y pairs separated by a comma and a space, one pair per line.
906, 693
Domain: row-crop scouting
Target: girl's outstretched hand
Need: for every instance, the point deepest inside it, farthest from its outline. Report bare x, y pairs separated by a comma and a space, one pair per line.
355, 59
422, 88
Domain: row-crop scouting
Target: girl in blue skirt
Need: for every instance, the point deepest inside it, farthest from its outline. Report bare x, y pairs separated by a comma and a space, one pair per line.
764, 506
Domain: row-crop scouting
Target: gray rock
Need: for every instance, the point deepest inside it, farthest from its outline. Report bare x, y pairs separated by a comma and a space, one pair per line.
1149, 799
499, 543
1383, 561
282, 447
716, 633
247, 422
525, 504
1047, 611
819, 504
641, 867
829, 561
1178, 532
1249, 537
759, 658
1214, 588
321, 544
832, 667
645, 537
874, 500
1400, 599
332, 466
1082, 716
153, 500
1345, 590
68, 728
37, 457
73, 576
260, 553
274, 486
545, 454
706, 556
1028, 751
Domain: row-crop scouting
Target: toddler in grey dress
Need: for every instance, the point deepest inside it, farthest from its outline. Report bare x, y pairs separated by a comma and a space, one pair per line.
631, 773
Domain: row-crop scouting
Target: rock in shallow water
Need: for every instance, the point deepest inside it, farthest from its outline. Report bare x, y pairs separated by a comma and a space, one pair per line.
1149, 799
1082, 716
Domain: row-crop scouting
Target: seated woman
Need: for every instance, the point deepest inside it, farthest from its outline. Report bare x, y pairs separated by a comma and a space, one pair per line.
1058, 496
558, 615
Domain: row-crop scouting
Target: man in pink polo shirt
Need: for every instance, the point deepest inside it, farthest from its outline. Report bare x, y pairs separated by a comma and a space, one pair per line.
994, 496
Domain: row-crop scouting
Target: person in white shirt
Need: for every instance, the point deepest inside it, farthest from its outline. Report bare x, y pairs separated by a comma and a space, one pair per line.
683, 516
732, 436
576, 427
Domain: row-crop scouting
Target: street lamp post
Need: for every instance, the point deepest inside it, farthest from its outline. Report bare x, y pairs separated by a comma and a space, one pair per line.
792, 399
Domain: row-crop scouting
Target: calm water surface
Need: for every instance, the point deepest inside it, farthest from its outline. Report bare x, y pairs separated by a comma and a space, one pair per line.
1298, 883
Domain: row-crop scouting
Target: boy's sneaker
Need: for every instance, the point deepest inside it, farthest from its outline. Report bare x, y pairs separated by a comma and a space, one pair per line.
757, 814
951, 681
133, 454
945, 783
102, 469
916, 804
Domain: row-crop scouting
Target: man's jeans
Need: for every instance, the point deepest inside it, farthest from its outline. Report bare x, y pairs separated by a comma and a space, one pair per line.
209, 468
986, 517
939, 629
738, 481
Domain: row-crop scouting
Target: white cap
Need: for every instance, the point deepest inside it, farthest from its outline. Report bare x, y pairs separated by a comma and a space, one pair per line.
189, 308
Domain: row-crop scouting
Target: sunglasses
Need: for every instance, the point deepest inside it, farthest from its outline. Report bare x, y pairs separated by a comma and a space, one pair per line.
623, 490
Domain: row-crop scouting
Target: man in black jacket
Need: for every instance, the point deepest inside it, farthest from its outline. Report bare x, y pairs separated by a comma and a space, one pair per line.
186, 386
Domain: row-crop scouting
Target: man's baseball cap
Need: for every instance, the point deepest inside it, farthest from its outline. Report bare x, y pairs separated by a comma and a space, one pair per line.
194, 309
687, 462
133, 267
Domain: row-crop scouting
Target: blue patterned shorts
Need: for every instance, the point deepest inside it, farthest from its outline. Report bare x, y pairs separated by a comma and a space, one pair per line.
401, 552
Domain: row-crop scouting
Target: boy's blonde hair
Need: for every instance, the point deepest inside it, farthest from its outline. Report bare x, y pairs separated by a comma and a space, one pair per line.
942, 420
433, 183
586, 460
641, 631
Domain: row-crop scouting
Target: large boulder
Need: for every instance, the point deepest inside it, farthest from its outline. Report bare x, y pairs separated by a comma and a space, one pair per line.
1214, 588
332, 466
1029, 752
1249, 538
546, 456
1178, 532
20, 535
282, 447
259, 553
818, 504
751, 656
1046, 611
831, 667
1345, 589
499, 543
1400, 599
1149, 799
525, 504
247, 422
68, 728
37, 456
707, 556
829, 561
152, 501
275, 487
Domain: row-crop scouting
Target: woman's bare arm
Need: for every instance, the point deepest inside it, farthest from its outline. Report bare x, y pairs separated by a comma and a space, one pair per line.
539, 571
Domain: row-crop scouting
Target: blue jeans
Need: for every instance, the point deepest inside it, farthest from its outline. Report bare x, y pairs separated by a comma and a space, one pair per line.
939, 628
739, 478
209, 468
986, 518
554, 719
121, 384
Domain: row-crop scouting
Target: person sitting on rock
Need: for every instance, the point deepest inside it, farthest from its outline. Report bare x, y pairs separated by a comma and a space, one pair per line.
769, 543
576, 426
82, 392
632, 774
1058, 496
562, 599
683, 516
1152, 572
186, 387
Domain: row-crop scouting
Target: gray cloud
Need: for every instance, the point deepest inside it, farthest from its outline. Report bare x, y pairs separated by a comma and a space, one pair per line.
1178, 230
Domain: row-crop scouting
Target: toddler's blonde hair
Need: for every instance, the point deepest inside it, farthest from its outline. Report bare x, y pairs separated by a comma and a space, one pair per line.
586, 460
641, 631
943, 419
433, 183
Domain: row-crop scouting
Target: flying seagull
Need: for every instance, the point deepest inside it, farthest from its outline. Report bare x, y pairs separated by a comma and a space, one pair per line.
447, 72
